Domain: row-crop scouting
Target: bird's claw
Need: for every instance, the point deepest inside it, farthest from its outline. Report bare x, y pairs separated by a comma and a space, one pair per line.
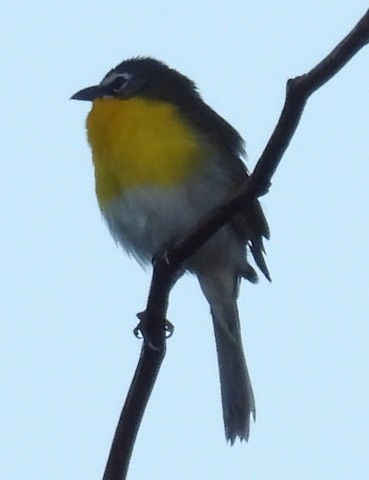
168, 329
141, 331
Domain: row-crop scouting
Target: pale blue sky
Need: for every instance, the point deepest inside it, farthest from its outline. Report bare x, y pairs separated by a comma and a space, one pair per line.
69, 295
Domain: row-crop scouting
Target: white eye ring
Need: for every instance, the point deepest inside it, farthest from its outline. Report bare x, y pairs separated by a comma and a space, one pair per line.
119, 82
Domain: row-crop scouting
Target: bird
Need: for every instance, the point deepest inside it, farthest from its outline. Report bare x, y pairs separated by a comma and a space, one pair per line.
163, 158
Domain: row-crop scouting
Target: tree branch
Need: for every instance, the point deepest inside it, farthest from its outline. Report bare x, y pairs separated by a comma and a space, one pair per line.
168, 263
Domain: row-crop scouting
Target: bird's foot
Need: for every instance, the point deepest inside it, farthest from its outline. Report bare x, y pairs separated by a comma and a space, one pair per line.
143, 331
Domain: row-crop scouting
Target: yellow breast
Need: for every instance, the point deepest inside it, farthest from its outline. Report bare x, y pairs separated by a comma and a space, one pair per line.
139, 142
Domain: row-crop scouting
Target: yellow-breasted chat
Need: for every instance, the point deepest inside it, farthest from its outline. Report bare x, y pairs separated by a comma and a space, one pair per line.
163, 159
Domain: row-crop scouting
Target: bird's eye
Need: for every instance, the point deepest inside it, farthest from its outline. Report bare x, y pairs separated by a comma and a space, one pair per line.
119, 82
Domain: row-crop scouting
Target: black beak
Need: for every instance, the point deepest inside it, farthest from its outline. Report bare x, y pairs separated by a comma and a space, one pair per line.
89, 93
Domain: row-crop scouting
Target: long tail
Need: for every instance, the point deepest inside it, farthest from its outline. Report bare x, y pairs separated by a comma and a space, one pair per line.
236, 391
237, 396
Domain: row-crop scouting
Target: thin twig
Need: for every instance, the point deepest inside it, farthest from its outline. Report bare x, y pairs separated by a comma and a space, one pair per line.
167, 265
151, 357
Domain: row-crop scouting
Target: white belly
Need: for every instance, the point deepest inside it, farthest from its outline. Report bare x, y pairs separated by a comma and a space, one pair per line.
144, 219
